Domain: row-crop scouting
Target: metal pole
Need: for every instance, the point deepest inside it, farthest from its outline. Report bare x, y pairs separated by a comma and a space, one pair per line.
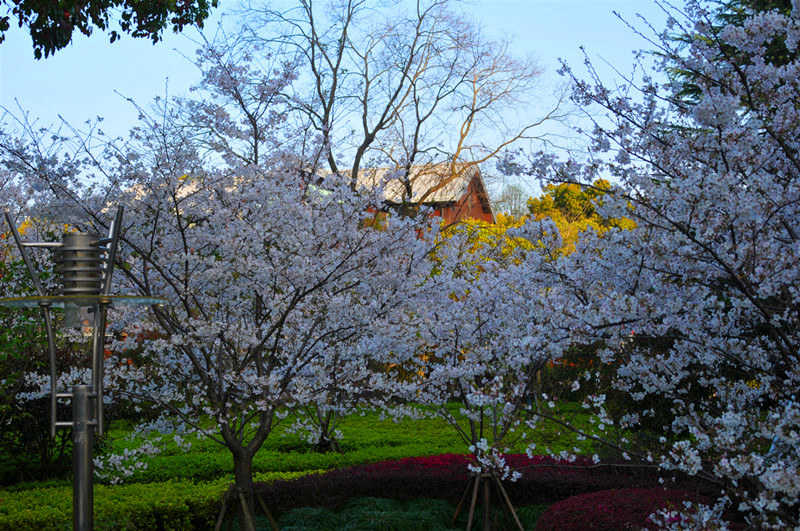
25, 258
98, 356
83, 427
51, 349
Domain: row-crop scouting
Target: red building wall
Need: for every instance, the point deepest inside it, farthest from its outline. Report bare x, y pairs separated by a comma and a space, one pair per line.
469, 206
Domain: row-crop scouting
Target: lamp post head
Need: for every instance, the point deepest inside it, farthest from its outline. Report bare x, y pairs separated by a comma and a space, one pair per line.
80, 264
83, 263
80, 268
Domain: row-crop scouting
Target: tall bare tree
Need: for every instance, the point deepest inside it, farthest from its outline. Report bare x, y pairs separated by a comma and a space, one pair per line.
400, 84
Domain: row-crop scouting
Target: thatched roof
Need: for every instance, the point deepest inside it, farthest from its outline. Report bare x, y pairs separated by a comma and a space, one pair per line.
423, 178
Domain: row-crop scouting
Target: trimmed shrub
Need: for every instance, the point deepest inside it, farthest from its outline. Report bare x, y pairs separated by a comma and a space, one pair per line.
379, 441
171, 505
185, 505
613, 510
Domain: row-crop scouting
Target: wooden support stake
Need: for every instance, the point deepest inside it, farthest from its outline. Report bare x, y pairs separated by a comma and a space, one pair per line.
266, 512
487, 503
221, 517
250, 525
460, 505
503, 504
472, 504
508, 502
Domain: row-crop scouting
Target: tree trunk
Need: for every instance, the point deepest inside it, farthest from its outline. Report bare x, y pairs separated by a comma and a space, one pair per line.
487, 504
327, 436
243, 478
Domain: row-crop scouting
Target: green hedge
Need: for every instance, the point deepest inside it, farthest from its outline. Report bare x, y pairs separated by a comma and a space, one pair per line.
170, 505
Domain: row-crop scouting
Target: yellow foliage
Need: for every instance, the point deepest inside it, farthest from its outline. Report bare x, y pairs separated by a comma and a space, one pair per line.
570, 206
573, 209
490, 241
7, 245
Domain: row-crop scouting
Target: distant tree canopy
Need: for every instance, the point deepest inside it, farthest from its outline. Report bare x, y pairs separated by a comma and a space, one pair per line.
512, 200
737, 12
52, 24
573, 208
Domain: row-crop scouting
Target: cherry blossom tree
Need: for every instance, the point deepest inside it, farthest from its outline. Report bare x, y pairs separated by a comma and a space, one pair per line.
698, 304
479, 340
280, 293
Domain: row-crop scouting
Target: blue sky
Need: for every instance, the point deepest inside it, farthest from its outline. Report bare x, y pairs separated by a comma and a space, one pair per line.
92, 77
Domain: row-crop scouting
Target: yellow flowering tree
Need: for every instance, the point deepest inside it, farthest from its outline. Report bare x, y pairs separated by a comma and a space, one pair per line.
573, 209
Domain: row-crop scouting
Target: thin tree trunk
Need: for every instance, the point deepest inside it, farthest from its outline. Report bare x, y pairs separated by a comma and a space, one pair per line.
487, 504
243, 478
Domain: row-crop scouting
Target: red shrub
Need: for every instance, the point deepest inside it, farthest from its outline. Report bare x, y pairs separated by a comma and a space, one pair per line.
543, 480
613, 510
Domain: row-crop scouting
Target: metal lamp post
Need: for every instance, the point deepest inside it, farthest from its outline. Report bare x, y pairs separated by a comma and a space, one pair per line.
83, 266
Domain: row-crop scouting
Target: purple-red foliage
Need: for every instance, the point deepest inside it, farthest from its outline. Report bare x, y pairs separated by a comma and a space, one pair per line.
613, 510
544, 480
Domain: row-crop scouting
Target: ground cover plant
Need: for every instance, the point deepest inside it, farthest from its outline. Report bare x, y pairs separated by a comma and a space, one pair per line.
370, 513
367, 437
